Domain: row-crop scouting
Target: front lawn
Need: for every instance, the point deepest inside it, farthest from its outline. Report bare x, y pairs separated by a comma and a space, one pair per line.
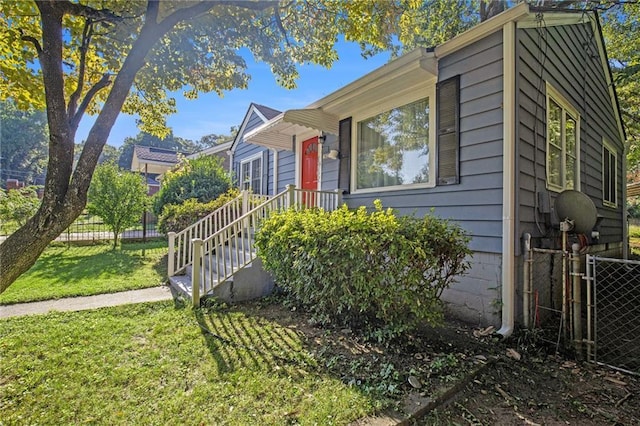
65, 271
157, 364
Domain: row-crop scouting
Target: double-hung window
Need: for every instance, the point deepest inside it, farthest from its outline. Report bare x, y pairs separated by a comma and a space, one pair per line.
563, 143
609, 174
394, 147
251, 174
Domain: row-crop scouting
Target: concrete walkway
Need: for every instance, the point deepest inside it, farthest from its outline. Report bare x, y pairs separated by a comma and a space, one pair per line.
82, 303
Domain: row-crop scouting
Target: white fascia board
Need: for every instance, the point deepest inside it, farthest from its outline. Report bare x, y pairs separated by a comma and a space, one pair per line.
412, 61
482, 30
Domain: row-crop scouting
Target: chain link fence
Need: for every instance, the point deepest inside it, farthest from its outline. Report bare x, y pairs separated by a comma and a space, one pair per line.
616, 312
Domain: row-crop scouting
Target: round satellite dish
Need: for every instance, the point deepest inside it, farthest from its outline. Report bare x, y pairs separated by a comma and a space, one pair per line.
577, 207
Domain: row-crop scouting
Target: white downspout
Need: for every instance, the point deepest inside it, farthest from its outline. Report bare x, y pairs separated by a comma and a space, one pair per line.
508, 178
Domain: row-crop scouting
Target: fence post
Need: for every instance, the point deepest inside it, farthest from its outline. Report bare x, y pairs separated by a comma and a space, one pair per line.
172, 254
577, 299
196, 272
291, 195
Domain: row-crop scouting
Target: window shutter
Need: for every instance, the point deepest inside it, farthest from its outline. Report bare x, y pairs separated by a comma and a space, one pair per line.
448, 131
344, 146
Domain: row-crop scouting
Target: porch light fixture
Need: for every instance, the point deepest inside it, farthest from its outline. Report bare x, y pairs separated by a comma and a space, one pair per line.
331, 155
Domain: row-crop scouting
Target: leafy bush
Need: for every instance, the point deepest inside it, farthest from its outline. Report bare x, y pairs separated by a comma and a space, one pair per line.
176, 217
374, 271
202, 178
119, 197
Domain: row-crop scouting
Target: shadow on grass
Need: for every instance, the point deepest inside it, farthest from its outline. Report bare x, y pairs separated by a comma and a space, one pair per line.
238, 341
97, 261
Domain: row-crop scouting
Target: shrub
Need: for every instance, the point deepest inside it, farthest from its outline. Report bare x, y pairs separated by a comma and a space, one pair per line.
176, 217
202, 178
374, 271
19, 205
119, 197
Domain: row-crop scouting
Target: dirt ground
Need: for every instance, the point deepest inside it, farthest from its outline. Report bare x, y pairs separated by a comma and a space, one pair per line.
516, 382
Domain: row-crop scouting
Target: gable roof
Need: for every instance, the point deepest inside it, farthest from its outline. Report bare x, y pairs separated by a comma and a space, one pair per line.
265, 113
222, 147
268, 113
156, 155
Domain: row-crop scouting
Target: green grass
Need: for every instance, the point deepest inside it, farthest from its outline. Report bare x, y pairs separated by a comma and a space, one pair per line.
153, 364
634, 231
65, 271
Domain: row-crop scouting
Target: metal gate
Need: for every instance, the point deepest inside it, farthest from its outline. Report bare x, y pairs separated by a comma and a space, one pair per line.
614, 286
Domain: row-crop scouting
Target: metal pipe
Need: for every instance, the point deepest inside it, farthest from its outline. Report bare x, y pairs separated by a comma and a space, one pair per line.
564, 226
577, 299
526, 296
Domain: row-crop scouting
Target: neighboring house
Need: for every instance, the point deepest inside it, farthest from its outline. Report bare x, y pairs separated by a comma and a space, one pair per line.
221, 151
486, 129
154, 162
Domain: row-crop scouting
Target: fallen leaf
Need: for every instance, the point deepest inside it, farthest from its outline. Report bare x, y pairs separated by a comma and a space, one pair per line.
414, 382
512, 353
616, 381
484, 332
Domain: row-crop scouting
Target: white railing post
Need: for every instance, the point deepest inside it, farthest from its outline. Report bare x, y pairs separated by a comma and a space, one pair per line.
339, 193
196, 272
245, 201
291, 196
171, 267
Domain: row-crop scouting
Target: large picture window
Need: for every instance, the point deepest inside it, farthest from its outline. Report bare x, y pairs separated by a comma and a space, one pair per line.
563, 136
251, 174
393, 148
609, 175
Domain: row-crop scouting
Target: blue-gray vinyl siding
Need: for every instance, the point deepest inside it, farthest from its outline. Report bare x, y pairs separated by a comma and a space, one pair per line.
476, 202
286, 169
245, 150
329, 167
566, 57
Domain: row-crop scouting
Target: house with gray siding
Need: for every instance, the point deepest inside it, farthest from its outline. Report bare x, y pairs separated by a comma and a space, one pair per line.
486, 130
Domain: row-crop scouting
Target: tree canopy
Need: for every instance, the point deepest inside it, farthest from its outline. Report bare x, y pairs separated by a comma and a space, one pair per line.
102, 58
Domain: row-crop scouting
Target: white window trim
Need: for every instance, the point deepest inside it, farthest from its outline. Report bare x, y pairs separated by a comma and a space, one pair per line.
552, 93
250, 160
606, 145
396, 102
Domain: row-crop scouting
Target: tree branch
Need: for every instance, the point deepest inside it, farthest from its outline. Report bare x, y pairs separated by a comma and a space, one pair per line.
152, 11
87, 32
33, 41
77, 116
88, 12
204, 6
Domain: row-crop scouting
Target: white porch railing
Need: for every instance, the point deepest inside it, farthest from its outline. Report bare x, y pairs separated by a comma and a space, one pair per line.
180, 243
219, 256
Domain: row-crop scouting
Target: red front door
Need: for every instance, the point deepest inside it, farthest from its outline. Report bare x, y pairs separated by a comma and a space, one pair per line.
309, 167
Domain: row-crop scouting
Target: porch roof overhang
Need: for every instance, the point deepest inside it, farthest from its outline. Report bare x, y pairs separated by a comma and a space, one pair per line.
279, 131
400, 75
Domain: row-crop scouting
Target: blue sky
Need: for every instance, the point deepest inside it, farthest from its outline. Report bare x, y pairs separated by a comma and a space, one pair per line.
213, 114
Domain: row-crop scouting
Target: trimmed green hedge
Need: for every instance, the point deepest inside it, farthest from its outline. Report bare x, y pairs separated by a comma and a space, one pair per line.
375, 271
176, 217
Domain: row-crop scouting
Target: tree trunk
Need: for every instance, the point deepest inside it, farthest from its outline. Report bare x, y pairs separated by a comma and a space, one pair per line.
22, 248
